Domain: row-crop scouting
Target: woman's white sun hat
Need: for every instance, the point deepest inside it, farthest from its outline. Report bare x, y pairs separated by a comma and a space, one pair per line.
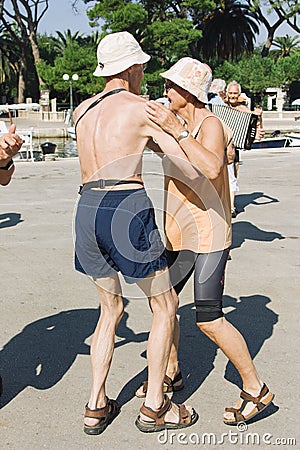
117, 52
191, 75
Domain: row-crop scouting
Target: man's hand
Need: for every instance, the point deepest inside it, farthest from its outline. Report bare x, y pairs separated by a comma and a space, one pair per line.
10, 144
260, 132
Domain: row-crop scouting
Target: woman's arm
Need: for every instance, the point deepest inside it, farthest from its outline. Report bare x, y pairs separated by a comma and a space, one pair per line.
206, 152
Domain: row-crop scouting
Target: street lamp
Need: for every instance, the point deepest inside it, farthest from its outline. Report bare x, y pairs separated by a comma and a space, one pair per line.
67, 77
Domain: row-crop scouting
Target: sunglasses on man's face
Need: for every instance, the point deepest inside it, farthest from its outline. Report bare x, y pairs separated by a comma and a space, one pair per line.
169, 85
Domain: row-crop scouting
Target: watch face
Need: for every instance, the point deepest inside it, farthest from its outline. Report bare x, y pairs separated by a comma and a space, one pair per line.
183, 134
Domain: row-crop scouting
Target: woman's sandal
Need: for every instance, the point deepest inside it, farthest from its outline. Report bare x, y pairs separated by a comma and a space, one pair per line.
104, 415
259, 406
158, 422
169, 385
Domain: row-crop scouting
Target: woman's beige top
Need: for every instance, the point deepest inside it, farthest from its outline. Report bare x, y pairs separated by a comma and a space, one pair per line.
197, 214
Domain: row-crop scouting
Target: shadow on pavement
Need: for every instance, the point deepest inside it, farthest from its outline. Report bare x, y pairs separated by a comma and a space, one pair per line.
197, 352
255, 321
243, 231
10, 220
41, 354
255, 198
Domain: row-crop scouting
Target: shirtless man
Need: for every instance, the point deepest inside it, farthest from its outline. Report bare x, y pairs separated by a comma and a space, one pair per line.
116, 230
10, 144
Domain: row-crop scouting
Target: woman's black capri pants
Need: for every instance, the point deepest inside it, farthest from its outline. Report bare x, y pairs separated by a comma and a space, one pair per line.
209, 270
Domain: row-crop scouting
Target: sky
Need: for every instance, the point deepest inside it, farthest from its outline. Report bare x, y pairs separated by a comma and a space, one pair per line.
61, 17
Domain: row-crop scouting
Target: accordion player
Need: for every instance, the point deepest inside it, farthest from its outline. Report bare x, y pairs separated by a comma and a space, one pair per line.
242, 124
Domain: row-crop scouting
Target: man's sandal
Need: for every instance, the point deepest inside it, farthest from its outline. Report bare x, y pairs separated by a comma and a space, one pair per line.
169, 385
259, 406
158, 422
104, 415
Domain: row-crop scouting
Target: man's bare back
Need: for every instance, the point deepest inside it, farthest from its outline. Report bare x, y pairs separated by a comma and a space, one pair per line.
113, 135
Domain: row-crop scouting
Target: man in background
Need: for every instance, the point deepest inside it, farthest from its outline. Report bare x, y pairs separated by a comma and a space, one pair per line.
233, 94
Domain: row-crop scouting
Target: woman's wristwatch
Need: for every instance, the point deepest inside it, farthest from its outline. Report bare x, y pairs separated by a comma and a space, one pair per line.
183, 135
8, 165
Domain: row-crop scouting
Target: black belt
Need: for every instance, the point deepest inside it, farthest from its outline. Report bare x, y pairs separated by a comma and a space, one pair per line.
101, 184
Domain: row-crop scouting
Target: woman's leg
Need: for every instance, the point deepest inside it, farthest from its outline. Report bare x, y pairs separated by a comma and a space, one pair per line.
209, 286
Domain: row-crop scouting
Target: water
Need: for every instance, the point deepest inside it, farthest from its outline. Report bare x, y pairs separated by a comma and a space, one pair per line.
65, 147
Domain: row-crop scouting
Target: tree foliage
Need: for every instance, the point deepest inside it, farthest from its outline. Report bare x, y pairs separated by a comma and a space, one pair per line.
286, 44
76, 58
256, 74
284, 11
229, 30
222, 28
27, 15
219, 32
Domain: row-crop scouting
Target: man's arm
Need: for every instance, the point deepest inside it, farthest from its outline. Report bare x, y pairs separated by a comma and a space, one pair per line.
10, 144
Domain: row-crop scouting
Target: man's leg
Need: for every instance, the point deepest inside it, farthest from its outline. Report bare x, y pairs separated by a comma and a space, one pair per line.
181, 266
103, 341
173, 364
164, 304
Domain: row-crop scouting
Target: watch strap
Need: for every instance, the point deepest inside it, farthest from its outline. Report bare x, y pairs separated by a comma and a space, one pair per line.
8, 165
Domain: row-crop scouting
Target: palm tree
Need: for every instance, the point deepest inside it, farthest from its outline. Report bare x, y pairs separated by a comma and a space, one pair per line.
228, 31
65, 39
9, 57
91, 39
286, 44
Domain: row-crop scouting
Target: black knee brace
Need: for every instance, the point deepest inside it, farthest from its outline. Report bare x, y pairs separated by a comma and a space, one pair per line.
206, 311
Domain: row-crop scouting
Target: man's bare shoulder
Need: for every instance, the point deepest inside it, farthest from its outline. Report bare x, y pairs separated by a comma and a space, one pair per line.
135, 106
136, 100
83, 106
132, 101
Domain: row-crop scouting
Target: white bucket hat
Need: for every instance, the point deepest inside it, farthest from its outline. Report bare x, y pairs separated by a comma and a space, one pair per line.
117, 52
191, 75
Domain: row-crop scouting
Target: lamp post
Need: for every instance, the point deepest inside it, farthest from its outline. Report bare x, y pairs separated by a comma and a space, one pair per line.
67, 77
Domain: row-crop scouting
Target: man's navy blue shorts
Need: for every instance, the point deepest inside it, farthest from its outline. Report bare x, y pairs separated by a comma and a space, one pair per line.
116, 232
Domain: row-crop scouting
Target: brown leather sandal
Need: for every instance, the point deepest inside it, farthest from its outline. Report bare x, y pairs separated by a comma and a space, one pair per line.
169, 385
104, 415
158, 422
259, 405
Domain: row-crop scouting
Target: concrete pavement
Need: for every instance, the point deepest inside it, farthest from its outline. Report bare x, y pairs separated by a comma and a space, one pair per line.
48, 313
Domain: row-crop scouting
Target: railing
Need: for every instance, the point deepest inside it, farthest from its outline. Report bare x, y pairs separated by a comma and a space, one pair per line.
47, 116
280, 114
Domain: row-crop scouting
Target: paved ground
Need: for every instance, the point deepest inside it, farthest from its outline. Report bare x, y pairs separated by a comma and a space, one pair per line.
48, 312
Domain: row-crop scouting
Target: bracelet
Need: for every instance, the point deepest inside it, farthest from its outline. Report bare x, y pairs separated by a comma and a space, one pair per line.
8, 165
184, 134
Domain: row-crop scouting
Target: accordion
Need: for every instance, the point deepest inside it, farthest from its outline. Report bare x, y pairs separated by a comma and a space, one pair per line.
241, 123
